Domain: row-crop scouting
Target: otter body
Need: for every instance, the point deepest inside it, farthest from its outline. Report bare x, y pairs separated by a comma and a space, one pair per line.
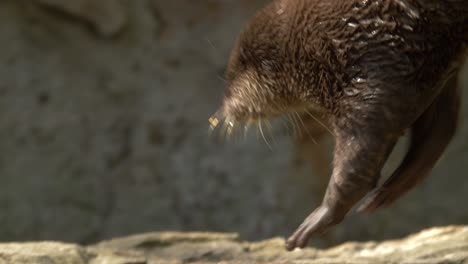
373, 69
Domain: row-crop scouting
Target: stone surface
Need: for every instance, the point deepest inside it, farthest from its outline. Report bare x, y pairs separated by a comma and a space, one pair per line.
107, 17
103, 137
437, 245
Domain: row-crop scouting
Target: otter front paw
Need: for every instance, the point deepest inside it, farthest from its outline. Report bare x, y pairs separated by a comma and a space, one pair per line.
319, 221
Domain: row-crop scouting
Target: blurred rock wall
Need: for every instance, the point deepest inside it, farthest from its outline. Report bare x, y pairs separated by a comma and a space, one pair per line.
103, 131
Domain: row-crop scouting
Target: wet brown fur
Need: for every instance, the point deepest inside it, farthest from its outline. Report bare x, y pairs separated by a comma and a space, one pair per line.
374, 69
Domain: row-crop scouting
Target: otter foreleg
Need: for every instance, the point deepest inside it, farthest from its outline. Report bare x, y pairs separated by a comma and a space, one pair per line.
358, 159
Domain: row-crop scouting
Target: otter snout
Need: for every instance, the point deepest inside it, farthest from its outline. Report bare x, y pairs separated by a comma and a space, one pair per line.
235, 113
239, 110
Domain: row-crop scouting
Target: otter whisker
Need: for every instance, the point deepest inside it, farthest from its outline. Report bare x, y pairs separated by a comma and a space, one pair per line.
298, 128
321, 123
284, 117
284, 123
289, 125
240, 130
263, 135
293, 124
305, 127
223, 130
290, 120
270, 130
221, 78
257, 131
217, 54
244, 132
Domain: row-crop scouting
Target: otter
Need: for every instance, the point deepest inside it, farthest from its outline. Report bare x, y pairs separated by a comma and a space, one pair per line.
373, 70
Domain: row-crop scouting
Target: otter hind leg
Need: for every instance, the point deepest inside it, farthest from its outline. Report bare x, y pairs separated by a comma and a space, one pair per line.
430, 136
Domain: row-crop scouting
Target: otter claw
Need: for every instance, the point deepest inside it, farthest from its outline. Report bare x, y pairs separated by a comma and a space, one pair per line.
319, 221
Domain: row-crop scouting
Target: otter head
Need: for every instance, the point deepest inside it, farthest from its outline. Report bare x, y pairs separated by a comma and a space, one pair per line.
269, 72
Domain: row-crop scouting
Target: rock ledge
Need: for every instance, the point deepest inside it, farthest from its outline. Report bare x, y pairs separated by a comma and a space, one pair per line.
436, 245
